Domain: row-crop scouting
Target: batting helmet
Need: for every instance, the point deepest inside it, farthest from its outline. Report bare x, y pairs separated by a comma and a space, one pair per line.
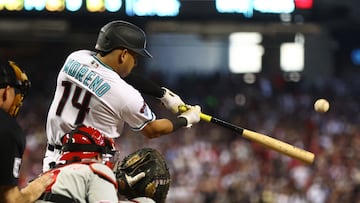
12, 75
85, 142
122, 34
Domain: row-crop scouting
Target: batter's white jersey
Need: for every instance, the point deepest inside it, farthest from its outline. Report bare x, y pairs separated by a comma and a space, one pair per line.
89, 92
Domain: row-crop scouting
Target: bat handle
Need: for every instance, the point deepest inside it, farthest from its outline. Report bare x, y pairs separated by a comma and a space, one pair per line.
203, 116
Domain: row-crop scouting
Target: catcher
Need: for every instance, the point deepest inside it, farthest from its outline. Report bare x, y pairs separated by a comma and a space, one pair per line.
84, 171
150, 164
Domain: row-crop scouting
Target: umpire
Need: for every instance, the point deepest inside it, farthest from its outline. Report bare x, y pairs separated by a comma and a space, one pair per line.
14, 84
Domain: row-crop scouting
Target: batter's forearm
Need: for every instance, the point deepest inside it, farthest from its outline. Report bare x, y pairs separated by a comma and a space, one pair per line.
161, 127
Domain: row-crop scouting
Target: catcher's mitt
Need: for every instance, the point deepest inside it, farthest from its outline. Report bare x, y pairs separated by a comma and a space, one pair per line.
143, 173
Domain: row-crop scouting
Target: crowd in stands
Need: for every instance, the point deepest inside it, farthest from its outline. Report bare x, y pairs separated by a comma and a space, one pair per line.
210, 164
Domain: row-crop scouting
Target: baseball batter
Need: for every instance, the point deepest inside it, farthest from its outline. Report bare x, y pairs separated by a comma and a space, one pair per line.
91, 90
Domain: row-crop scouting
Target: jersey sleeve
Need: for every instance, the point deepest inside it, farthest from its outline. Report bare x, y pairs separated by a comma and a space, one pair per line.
132, 107
137, 116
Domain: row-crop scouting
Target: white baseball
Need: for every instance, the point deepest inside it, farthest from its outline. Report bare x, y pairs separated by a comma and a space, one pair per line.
321, 105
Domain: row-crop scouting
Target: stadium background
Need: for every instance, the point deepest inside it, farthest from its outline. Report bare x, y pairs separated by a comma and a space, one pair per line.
210, 164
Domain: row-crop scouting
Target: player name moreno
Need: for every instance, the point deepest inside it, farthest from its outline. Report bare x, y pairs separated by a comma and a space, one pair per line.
87, 77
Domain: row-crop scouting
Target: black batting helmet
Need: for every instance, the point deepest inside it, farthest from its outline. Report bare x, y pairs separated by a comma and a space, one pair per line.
122, 34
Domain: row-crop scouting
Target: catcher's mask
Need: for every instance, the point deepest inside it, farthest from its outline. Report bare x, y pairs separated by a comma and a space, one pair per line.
156, 182
86, 142
12, 75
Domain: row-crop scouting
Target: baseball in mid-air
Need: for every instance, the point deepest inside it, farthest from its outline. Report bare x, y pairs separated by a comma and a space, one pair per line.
321, 105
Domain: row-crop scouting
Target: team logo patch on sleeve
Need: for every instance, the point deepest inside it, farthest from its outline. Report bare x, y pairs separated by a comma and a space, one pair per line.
142, 110
145, 110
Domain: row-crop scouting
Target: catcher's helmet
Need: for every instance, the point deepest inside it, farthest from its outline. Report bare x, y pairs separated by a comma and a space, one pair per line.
122, 34
12, 75
85, 142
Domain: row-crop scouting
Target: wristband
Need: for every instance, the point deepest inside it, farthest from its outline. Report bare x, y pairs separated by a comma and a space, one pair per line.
178, 122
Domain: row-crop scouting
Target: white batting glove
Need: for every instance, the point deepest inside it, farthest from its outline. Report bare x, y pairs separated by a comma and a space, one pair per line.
192, 115
171, 100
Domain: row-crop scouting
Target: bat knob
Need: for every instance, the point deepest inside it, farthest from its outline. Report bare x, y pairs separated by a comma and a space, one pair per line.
182, 108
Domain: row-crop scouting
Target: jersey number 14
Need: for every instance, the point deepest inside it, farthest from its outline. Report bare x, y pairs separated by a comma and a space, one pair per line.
82, 106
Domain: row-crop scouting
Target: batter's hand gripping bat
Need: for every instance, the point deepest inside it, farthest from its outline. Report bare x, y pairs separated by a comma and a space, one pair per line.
265, 140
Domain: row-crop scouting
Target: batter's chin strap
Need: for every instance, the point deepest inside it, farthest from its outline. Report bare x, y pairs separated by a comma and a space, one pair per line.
50, 197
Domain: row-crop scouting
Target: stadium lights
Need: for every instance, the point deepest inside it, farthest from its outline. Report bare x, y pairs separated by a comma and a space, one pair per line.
245, 52
292, 54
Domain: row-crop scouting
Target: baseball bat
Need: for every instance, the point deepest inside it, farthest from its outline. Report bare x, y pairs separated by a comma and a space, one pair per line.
272, 143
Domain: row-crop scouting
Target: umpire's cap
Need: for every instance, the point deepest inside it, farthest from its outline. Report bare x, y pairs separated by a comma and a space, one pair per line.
7, 75
122, 34
11, 74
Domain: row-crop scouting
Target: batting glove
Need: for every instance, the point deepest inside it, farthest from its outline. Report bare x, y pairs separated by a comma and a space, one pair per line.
192, 115
171, 100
